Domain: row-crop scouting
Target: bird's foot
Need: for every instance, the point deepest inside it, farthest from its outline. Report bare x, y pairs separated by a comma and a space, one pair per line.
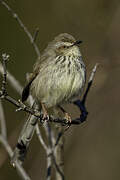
68, 121
45, 117
45, 113
68, 118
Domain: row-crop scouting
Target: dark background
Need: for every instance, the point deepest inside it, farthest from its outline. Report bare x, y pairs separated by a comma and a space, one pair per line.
92, 150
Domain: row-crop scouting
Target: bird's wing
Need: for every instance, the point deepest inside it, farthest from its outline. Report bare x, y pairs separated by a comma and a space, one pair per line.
40, 64
26, 90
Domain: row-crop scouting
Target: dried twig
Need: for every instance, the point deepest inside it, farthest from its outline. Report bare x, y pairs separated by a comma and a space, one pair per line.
90, 83
3, 122
52, 156
58, 149
49, 151
49, 167
5, 58
32, 41
3, 136
19, 168
40, 138
13, 82
24, 140
35, 34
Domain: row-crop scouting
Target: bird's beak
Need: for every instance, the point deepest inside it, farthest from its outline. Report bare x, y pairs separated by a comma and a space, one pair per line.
76, 43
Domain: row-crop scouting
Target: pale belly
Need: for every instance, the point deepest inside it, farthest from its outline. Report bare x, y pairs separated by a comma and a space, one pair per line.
58, 87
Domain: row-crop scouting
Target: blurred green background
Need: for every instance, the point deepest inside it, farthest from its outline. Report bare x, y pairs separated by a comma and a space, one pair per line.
92, 150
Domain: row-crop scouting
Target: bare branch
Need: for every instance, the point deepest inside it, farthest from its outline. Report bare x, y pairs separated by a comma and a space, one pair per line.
93, 72
3, 122
52, 155
58, 149
60, 134
13, 82
90, 82
22, 26
24, 140
19, 168
6, 145
49, 151
5, 58
40, 138
49, 165
35, 34
61, 175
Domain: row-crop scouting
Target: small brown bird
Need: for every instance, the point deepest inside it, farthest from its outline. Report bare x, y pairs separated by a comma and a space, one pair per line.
58, 76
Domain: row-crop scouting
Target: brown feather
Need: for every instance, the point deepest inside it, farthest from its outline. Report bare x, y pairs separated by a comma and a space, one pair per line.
26, 90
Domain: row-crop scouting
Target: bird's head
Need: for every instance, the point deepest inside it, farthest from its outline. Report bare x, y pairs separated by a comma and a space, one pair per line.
67, 45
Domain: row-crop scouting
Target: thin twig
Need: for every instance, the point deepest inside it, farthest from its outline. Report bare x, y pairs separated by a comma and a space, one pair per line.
58, 169
52, 154
35, 34
93, 72
49, 165
3, 136
5, 58
40, 138
24, 140
90, 82
19, 168
13, 82
3, 122
22, 26
47, 128
58, 149
60, 134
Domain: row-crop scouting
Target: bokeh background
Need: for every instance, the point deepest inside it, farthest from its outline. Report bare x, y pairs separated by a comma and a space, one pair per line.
92, 150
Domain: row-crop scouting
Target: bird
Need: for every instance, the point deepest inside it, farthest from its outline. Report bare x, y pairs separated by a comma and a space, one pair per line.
58, 76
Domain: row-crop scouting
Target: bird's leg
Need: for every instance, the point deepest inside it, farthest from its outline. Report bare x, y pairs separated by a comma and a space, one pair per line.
67, 116
45, 113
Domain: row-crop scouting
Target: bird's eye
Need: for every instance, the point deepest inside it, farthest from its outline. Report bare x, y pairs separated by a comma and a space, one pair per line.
65, 47
62, 47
